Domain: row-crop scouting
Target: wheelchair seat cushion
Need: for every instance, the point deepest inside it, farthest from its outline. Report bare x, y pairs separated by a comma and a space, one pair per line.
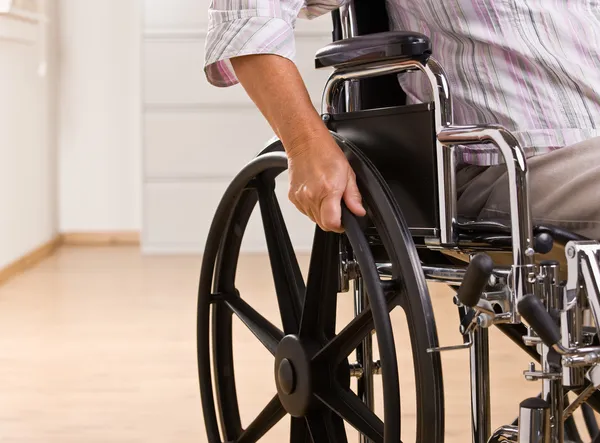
375, 47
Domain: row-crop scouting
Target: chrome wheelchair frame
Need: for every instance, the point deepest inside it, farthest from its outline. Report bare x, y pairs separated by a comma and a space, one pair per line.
562, 317
542, 421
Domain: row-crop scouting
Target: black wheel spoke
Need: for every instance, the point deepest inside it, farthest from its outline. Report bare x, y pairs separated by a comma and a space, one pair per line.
571, 431
267, 333
325, 426
590, 420
299, 431
349, 407
269, 417
349, 338
289, 284
319, 310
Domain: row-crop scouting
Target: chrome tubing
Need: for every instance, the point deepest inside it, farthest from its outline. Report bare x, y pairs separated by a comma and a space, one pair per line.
349, 22
336, 80
451, 275
552, 388
349, 30
442, 274
445, 154
480, 385
440, 86
534, 421
521, 225
552, 392
582, 258
582, 264
571, 324
505, 434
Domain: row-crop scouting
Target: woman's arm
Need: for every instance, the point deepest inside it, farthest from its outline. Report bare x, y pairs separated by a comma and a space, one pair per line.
320, 175
252, 42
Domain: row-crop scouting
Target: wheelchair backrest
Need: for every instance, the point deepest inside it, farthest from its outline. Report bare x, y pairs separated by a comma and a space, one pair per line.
370, 17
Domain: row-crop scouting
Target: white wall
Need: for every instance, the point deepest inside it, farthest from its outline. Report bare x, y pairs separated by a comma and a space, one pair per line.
196, 137
99, 124
27, 142
144, 142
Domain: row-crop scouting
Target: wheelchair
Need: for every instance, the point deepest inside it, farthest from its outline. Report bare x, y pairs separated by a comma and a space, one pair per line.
539, 285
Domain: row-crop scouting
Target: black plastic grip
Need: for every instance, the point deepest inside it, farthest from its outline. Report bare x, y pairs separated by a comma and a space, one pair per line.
476, 278
534, 312
534, 403
543, 243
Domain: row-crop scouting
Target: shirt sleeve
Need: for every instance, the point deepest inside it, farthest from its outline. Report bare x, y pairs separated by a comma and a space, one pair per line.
246, 27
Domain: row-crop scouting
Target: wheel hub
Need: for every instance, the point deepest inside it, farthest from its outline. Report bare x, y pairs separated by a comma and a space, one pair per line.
286, 377
293, 375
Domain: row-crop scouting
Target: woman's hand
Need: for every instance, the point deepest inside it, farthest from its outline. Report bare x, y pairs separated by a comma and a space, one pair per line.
320, 177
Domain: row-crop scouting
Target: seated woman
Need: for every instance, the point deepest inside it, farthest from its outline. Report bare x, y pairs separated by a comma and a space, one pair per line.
530, 66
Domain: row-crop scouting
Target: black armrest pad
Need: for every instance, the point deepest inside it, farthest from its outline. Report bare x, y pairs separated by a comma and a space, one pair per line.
375, 47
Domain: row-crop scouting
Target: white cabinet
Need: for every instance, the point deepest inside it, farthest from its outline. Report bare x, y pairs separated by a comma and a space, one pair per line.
196, 136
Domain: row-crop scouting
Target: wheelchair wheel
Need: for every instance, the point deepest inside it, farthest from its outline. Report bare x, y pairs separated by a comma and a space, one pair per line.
311, 368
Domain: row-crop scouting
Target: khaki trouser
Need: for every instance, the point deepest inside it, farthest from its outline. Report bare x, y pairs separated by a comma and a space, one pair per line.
564, 189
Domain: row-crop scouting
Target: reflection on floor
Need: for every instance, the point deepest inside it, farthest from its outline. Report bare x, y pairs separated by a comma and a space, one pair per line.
97, 345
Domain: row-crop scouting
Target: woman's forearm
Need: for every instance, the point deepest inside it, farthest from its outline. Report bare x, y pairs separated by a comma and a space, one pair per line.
277, 89
319, 173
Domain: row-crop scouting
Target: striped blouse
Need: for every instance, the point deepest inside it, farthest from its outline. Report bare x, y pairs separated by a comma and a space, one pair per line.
532, 66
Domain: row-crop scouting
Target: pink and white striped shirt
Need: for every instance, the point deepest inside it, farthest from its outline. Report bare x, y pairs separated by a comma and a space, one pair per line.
532, 66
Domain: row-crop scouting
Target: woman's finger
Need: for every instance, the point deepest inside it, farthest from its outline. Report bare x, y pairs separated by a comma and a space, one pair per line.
352, 197
331, 212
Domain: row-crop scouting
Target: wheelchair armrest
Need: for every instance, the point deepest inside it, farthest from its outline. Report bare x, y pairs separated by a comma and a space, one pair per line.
393, 45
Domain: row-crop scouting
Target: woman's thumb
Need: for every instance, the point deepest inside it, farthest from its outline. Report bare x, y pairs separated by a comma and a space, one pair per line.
353, 199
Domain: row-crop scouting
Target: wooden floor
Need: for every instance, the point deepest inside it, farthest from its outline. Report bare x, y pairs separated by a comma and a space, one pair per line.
98, 345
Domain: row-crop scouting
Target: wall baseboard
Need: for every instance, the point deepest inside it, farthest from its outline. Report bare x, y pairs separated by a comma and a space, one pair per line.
30, 259
125, 238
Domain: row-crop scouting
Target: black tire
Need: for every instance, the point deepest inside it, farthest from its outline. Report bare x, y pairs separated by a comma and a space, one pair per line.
309, 342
